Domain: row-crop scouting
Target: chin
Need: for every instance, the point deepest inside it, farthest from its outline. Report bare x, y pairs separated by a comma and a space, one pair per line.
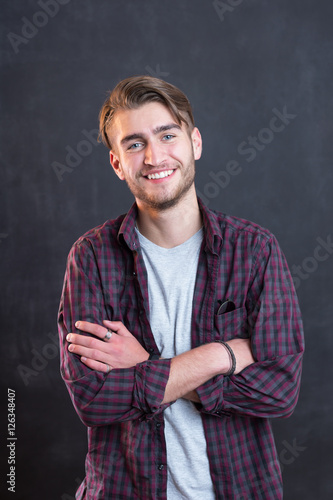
166, 203
163, 205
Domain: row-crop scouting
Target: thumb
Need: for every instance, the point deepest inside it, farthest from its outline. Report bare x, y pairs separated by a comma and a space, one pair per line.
118, 327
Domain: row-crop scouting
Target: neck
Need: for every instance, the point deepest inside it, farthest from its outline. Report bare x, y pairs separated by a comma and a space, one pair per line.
173, 226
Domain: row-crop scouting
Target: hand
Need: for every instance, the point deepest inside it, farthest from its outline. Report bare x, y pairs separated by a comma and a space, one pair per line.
242, 352
122, 350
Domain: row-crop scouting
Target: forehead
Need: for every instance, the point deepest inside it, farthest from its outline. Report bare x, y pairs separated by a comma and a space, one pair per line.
143, 120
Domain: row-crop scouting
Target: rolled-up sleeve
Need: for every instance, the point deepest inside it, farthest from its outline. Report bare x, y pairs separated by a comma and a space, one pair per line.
270, 386
99, 398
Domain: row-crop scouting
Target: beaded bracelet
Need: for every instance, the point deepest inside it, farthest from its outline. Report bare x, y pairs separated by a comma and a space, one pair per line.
231, 356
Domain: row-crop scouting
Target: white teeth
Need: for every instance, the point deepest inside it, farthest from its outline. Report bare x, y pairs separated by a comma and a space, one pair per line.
160, 175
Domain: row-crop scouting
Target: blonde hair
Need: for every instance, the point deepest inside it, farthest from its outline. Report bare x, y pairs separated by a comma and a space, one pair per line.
138, 90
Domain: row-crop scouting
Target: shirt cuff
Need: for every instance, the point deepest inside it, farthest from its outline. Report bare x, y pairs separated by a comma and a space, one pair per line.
151, 378
211, 397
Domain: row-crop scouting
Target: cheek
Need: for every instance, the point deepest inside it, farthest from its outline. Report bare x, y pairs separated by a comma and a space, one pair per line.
133, 169
180, 153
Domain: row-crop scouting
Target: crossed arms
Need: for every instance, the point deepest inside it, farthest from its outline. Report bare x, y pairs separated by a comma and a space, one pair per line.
187, 372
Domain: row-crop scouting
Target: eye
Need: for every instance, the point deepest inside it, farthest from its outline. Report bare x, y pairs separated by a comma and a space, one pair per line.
167, 137
136, 145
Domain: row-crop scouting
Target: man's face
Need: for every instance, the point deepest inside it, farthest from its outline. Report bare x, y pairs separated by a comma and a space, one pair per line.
154, 154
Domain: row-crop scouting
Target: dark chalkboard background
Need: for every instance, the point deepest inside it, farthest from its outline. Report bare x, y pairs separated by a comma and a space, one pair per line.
240, 65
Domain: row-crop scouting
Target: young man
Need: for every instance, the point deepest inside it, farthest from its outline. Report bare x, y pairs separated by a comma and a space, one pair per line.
179, 326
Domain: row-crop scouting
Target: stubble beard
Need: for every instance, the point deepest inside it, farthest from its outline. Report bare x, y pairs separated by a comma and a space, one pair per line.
170, 198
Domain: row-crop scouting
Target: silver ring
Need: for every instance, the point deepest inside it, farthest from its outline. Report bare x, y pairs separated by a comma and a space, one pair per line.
108, 335
109, 368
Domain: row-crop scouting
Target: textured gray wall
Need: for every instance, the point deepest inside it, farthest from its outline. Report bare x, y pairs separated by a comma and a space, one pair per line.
241, 63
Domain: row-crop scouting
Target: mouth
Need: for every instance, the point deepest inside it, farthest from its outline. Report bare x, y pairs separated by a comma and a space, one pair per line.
160, 176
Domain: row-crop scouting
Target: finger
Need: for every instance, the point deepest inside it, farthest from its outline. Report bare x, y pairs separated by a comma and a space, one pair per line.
83, 340
95, 354
118, 327
97, 330
96, 365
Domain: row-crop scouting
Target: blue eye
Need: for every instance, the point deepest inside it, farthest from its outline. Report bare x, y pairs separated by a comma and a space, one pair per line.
168, 136
136, 145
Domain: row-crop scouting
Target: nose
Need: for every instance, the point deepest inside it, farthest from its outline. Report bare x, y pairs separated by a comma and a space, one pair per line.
154, 154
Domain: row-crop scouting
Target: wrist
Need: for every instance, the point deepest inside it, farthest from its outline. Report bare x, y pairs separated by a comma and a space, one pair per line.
217, 358
231, 358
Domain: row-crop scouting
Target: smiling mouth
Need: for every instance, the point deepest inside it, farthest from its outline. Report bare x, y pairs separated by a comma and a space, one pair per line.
160, 175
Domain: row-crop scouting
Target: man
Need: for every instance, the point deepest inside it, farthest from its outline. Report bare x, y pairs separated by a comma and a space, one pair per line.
179, 326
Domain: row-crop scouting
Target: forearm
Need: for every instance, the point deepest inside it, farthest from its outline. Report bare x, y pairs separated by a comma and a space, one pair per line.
193, 368
121, 395
267, 389
102, 398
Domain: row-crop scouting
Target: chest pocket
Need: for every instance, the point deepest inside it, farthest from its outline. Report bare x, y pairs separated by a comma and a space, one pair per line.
231, 324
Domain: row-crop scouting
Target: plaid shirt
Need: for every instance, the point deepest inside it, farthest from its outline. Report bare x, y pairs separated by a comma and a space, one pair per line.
106, 279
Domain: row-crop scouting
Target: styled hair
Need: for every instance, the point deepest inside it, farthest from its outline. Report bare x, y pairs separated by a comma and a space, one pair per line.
135, 91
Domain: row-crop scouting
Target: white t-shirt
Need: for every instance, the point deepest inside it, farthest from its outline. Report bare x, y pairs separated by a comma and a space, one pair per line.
171, 281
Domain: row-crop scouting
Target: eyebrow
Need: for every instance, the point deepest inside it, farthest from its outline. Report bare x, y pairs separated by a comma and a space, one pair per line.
156, 130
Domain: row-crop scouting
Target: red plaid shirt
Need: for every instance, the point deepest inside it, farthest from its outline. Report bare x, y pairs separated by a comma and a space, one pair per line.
106, 279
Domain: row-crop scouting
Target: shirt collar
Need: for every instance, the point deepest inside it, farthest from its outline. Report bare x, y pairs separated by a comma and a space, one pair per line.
211, 224
212, 227
127, 231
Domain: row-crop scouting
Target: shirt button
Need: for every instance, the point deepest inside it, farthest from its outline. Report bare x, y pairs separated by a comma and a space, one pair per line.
158, 425
134, 273
160, 467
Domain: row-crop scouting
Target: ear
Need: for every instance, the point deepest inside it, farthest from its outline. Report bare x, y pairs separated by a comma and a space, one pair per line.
197, 143
115, 164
